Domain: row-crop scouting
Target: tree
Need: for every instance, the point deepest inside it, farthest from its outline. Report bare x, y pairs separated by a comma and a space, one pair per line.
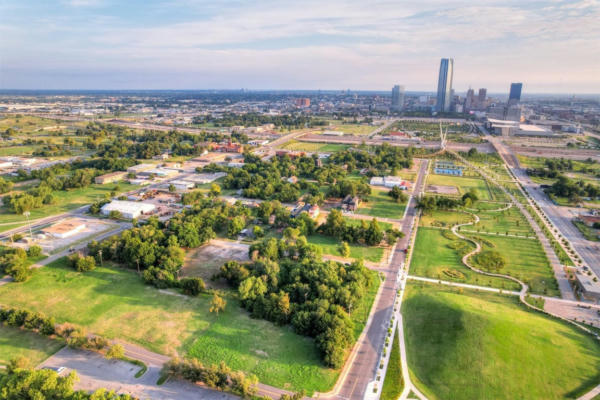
34, 251
217, 304
192, 286
82, 264
398, 194
345, 249
172, 188
114, 214
215, 190
115, 351
235, 226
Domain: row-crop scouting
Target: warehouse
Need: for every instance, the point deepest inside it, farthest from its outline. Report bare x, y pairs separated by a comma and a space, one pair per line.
128, 209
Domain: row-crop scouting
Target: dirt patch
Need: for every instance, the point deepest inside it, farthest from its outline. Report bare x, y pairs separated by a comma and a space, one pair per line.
440, 189
205, 261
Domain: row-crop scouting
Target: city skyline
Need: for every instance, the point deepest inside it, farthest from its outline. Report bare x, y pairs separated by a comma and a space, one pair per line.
179, 44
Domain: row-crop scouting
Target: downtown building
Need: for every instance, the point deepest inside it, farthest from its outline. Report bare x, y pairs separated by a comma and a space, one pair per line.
444, 91
397, 98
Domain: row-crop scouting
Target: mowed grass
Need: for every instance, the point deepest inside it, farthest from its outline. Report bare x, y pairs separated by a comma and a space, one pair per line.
315, 147
66, 200
331, 245
445, 218
380, 204
393, 383
115, 303
487, 346
353, 129
464, 184
510, 220
16, 342
434, 258
526, 260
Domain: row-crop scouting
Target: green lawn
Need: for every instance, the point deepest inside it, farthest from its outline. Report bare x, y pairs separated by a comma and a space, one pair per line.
464, 184
18, 150
486, 346
331, 246
66, 200
380, 205
434, 258
445, 218
315, 147
526, 260
510, 220
587, 232
15, 342
393, 383
115, 303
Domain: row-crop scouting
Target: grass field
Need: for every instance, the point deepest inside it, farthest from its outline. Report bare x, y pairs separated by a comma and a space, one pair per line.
486, 346
353, 129
433, 258
66, 200
331, 245
381, 205
393, 383
315, 147
511, 221
587, 232
20, 343
463, 184
26, 123
526, 260
445, 218
115, 303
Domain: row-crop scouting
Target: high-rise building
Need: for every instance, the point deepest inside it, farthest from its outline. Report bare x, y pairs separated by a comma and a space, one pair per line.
470, 100
302, 102
515, 93
397, 98
482, 96
444, 91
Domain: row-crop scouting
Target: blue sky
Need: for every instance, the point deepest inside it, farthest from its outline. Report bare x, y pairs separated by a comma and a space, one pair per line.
551, 46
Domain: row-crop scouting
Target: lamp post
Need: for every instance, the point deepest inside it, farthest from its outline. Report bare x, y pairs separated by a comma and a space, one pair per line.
26, 214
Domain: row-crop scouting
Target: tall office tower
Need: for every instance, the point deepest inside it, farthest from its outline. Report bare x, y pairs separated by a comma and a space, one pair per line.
470, 100
482, 96
515, 93
397, 98
444, 92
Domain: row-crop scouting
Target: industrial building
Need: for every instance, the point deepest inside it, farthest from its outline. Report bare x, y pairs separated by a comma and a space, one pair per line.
128, 209
141, 167
65, 228
111, 177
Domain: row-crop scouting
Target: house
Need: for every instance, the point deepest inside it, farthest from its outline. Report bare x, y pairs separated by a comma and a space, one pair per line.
65, 229
311, 210
163, 156
447, 168
128, 209
350, 203
182, 185
111, 177
389, 182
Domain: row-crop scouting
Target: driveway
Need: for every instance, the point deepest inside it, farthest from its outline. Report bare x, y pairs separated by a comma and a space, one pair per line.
96, 372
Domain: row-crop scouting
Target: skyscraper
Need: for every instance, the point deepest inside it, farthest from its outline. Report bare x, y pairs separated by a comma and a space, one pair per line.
397, 98
515, 93
470, 100
444, 92
482, 96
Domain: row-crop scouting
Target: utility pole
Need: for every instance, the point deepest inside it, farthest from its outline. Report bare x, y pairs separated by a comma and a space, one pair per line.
26, 214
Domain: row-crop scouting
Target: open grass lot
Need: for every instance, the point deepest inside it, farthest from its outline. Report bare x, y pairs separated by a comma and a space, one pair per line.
15, 342
115, 303
18, 150
315, 147
434, 258
393, 383
486, 346
331, 245
26, 123
66, 200
357, 222
510, 220
353, 129
587, 232
444, 218
381, 205
464, 184
526, 260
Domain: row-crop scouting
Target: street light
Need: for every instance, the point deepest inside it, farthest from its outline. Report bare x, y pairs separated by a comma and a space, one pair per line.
27, 214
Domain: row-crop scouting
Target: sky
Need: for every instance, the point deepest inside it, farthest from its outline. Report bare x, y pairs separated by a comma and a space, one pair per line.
552, 46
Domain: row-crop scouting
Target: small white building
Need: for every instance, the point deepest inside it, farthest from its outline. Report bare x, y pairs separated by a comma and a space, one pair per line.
333, 133
5, 164
376, 181
389, 182
140, 168
140, 182
128, 209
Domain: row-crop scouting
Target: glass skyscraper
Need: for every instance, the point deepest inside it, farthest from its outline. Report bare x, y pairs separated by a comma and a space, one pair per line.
444, 92
515, 93
397, 98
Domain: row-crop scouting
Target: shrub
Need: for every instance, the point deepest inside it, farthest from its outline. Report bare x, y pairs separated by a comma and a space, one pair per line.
192, 286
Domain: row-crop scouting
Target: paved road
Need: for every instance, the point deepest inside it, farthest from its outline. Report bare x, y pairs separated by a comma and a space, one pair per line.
354, 382
96, 372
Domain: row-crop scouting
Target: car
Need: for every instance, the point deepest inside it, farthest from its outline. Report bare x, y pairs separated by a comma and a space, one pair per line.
58, 370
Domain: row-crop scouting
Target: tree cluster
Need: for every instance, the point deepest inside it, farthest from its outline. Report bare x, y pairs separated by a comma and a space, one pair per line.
25, 319
369, 234
13, 262
573, 190
381, 161
288, 283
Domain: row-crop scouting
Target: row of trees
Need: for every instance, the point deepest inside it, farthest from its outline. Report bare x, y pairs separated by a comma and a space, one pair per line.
370, 234
289, 283
573, 190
